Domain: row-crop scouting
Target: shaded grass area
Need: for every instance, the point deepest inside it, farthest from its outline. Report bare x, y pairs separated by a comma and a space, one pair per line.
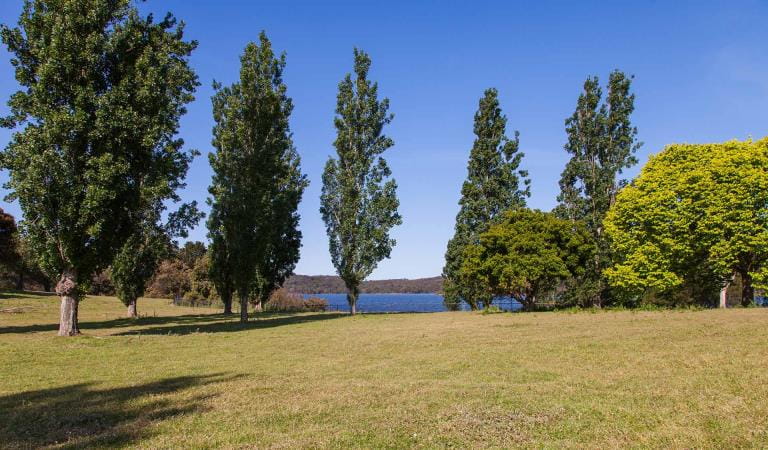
86, 415
192, 378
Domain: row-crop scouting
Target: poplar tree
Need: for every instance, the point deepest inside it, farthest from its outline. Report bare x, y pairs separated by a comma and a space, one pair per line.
494, 184
103, 90
602, 142
359, 199
257, 182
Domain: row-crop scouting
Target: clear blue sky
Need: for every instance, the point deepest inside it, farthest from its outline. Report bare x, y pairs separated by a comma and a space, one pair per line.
701, 73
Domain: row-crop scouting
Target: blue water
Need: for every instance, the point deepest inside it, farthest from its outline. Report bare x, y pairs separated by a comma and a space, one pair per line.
396, 302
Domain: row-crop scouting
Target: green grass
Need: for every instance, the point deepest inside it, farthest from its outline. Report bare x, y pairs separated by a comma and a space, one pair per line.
191, 378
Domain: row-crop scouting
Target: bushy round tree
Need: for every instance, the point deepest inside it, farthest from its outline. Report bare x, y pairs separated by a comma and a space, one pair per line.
525, 255
694, 209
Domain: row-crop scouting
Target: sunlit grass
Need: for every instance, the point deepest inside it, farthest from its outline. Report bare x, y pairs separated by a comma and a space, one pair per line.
189, 377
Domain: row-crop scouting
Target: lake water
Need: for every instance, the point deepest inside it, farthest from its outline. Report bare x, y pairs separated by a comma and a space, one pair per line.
396, 302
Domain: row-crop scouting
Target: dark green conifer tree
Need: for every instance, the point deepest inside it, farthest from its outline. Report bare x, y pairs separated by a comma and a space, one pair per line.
257, 182
494, 185
602, 142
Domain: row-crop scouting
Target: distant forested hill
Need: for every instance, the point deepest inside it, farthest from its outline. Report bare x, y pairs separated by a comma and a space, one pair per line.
328, 284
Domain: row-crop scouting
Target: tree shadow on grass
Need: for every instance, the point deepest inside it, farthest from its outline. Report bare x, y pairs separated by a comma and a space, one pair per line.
120, 323
184, 324
24, 295
82, 416
264, 320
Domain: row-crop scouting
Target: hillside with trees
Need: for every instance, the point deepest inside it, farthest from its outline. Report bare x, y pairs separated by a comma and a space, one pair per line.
329, 284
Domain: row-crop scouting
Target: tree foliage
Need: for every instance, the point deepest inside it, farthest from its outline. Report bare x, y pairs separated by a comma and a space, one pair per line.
602, 143
191, 252
494, 184
9, 254
359, 200
693, 210
102, 93
151, 242
526, 254
257, 182
220, 268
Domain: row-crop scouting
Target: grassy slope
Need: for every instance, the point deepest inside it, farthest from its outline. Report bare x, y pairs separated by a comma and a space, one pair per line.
190, 378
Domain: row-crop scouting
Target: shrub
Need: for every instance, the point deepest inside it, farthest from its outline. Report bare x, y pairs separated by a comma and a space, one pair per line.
101, 284
316, 304
195, 299
493, 309
284, 301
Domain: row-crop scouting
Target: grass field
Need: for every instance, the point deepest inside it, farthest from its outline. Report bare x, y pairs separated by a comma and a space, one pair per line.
191, 378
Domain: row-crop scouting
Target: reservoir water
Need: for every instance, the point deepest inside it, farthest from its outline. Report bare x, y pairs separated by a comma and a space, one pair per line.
397, 302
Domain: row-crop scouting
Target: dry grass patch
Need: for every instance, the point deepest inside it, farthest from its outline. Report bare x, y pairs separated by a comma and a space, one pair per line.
192, 378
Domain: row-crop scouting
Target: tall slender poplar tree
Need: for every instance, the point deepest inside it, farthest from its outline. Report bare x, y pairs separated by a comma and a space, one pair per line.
103, 90
257, 182
602, 142
359, 199
494, 184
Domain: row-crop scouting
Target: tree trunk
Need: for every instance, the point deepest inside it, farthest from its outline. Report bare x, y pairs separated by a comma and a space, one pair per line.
132, 311
227, 299
724, 295
598, 301
66, 288
20, 280
530, 305
352, 295
258, 306
747, 290
243, 308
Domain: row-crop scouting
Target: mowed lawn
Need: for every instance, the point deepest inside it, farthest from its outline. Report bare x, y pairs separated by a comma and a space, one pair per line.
192, 378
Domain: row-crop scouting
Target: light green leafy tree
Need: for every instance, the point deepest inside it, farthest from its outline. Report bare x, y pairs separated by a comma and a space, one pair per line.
359, 201
693, 209
103, 90
525, 255
494, 185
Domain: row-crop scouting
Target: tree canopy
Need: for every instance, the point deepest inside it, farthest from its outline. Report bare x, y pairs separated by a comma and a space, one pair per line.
693, 208
526, 254
359, 200
139, 257
494, 184
257, 182
103, 90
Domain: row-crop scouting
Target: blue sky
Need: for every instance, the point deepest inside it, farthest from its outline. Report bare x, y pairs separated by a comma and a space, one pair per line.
701, 75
